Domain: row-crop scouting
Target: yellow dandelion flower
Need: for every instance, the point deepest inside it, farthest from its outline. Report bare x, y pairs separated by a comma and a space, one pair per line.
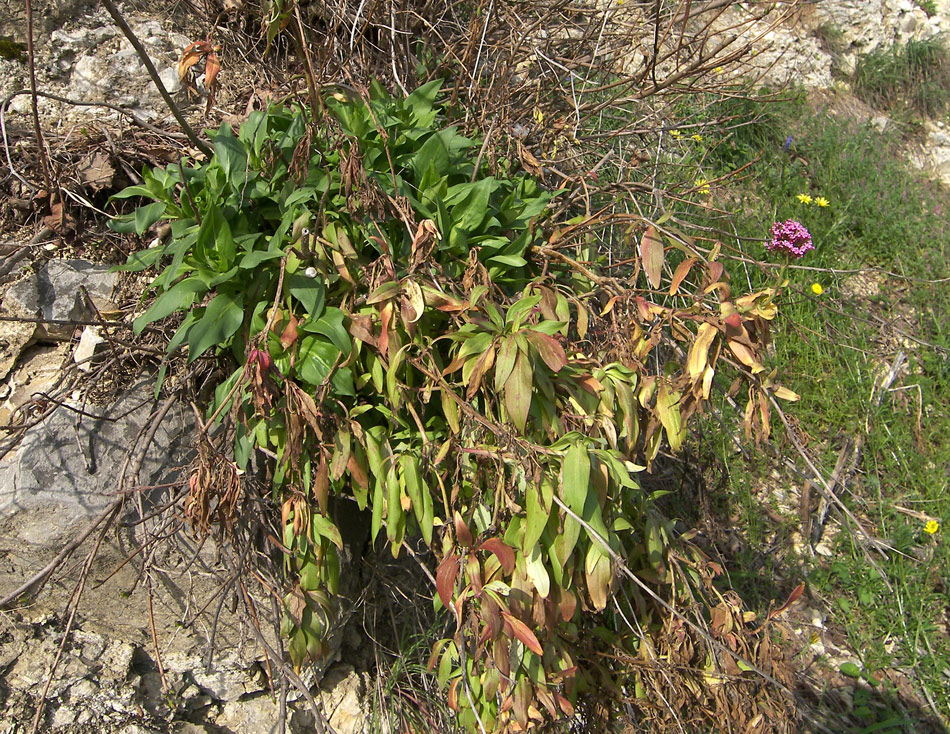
719, 70
697, 137
822, 201
702, 185
817, 289
804, 198
932, 527
676, 134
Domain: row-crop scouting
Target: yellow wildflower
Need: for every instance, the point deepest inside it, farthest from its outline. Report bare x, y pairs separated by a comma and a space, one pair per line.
718, 70
697, 137
932, 527
822, 201
676, 134
804, 198
817, 289
702, 186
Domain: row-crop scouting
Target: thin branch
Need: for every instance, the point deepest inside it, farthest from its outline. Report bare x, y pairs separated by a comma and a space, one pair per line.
153, 73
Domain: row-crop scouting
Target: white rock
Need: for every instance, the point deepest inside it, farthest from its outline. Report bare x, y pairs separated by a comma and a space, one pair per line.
63, 717
169, 77
86, 349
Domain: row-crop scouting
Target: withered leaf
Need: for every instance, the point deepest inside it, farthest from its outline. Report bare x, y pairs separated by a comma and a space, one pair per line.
651, 254
96, 171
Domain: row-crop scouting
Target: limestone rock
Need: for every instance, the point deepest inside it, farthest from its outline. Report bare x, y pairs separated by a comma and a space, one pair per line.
54, 293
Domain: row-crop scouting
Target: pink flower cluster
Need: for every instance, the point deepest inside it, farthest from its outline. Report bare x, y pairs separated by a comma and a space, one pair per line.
790, 237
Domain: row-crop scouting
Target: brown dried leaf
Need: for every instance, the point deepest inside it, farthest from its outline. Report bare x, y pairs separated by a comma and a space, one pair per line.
652, 255
679, 275
289, 334
699, 352
96, 171
190, 56
321, 485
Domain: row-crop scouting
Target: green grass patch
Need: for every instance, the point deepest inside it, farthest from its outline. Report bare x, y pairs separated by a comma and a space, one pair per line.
881, 261
915, 74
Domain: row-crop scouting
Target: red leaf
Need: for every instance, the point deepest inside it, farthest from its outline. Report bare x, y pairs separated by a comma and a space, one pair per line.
462, 533
523, 633
682, 270
549, 348
321, 484
445, 577
792, 598
565, 705
651, 254
504, 553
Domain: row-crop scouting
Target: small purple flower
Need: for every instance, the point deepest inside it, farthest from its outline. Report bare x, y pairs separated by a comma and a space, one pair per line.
788, 143
791, 238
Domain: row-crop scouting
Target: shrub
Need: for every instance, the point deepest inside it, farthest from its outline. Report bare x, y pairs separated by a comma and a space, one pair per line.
408, 334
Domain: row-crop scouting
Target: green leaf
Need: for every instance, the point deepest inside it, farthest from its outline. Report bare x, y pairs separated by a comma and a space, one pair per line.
421, 103
310, 292
395, 517
505, 362
378, 492
468, 202
254, 259
220, 321
316, 360
575, 477
519, 310
415, 489
323, 526
331, 325
146, 216
536, 518
518, 392
850, 669
668, 409
180, 297
141, 260
231, 156
514, 261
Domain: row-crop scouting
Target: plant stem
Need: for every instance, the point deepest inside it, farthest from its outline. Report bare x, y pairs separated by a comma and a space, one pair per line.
41, 146
150, 68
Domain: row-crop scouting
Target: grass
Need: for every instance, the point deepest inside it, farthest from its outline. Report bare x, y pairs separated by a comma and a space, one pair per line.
888, 223
915, 74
